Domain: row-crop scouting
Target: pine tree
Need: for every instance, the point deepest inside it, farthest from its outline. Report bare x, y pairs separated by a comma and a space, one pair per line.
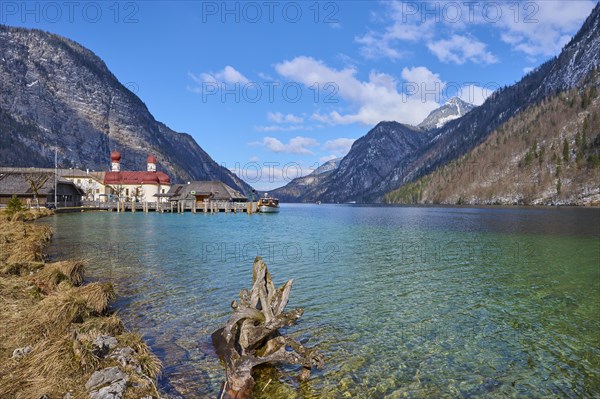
14, 205
585, 100
566, 150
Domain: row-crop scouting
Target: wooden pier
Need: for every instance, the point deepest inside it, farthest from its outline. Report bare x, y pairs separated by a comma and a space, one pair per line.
181, 206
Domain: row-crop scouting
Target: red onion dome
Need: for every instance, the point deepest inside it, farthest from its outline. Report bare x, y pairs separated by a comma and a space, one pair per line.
115, 156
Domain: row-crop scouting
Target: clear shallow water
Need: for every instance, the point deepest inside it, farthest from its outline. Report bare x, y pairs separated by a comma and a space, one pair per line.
404, 302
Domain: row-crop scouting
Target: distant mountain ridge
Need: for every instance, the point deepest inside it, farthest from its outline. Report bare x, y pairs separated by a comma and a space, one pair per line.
58, 94
393, 154
549, 154
303, 184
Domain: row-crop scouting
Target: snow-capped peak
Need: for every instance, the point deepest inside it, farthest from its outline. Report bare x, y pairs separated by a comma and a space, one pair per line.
453, 109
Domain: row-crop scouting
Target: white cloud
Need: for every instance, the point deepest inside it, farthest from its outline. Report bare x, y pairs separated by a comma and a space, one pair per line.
374, 100
475, 95
227, 75
535, 28
339, 147
278, 117
296, 145
282, 128
421, 82
386, 44
542, 28
327, 158
460, 49
266, 77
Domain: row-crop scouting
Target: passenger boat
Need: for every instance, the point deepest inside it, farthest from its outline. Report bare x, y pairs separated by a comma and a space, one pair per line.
268, 204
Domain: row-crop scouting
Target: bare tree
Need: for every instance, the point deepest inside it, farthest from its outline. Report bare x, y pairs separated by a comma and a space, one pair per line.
36, 182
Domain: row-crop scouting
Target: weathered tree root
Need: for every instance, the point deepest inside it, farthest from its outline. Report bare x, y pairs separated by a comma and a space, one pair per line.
251, 336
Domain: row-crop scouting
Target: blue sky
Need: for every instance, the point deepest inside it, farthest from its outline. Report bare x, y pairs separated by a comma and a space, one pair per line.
273, 89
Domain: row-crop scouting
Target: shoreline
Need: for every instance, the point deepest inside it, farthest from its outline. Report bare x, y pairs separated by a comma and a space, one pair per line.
61, 338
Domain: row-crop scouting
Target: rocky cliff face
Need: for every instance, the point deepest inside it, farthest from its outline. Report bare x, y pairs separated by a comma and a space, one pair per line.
453, 109
392, 154
57, 94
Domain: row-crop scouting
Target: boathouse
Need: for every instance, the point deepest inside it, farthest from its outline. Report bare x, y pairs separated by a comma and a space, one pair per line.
203, 191
35, 187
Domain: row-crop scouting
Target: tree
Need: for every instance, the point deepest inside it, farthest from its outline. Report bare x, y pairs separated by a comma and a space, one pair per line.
542, 154
117, 192
566, 150
36, 182
585, 100
138, 194
14, 205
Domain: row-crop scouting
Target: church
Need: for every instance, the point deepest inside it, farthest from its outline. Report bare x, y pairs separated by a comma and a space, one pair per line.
138, 186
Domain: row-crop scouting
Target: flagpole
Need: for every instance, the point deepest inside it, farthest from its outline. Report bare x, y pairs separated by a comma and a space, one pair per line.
55, 177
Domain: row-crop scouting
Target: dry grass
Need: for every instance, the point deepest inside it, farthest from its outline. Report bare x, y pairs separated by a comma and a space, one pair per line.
97, 296
110, 325
44, 306
151, 365
47, 370
25, 215
69, 305
54, 273
23, 242
21, 268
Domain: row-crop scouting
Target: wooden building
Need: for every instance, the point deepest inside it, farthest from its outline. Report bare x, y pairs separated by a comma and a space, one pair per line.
203, 191
35, 187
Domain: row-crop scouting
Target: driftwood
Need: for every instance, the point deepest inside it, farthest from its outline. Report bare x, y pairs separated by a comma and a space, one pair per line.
251, 336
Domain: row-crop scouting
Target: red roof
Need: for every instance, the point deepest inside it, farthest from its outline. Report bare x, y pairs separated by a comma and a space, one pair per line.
151, 159
136, 178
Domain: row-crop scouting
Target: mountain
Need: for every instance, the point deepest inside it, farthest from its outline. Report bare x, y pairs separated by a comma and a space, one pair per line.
392, 154
303, 185
371, 162
57, 94
453, 109
548, 154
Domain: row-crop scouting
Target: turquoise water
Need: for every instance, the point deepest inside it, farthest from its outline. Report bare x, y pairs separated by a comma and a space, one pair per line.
404, 302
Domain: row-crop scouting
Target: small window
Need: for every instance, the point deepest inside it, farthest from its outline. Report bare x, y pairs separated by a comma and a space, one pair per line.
90, 181
163, 190
126, 191
97, 191
78, 181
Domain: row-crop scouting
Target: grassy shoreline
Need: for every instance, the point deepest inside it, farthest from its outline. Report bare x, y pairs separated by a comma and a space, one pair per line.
59, 337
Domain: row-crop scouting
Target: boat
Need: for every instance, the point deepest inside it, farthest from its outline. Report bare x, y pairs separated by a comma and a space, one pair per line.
268, 204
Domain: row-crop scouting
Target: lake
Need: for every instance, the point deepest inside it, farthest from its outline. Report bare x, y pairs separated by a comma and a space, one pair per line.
413, 302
